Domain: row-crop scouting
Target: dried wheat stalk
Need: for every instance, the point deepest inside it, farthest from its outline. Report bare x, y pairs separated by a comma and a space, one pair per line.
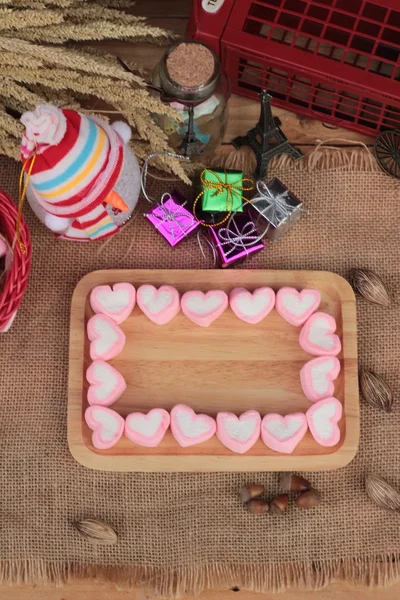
34, 72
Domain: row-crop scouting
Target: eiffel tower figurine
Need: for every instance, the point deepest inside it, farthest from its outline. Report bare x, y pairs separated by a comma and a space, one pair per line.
266, 138
190, 144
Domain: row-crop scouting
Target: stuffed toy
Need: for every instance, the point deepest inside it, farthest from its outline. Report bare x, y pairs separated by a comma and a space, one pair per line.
83, 179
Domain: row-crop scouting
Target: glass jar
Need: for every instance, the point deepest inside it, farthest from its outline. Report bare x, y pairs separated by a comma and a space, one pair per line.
178, 77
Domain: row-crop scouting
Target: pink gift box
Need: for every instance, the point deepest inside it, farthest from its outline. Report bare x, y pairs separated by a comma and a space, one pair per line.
242, 233
172, 220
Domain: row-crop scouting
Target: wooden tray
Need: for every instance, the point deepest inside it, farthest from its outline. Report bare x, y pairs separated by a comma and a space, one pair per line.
231, 365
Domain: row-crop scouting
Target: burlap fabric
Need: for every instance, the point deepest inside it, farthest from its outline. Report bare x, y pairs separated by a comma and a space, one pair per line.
181, 533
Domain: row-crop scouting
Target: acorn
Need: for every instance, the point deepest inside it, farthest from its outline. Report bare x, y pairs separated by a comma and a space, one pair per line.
249, 492
257, 507
294, 483
308, 499
278, 505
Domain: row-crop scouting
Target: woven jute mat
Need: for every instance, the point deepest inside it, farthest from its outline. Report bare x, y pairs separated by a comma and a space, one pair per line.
181, 533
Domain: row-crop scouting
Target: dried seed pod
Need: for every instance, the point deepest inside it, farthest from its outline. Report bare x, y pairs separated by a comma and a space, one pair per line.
96, 531
308, 499
375, 390
257, 507
382, 493
370, 285
294, 483
248, 492
278, 505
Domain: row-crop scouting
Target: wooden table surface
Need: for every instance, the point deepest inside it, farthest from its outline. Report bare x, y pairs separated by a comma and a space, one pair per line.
97, 591
304, 132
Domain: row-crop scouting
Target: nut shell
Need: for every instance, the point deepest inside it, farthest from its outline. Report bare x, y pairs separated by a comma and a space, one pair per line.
370, 286
257, 507
96, 531
249, 492
294, 483
382, 493
375, 390
278, 505
308, 499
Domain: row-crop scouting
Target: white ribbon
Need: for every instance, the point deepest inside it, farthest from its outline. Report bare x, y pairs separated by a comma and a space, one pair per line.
243, 238
170, 217
145, 167
278, 208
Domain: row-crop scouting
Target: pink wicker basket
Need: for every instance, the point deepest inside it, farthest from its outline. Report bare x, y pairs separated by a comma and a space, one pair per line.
16, 279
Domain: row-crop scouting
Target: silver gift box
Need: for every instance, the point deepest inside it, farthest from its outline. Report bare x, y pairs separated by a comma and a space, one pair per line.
275, 208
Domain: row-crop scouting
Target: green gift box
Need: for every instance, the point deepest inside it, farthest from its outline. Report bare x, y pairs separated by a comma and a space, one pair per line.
222, 190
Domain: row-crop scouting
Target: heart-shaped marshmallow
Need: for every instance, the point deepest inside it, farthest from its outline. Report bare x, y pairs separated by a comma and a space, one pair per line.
147, 430
159, 305
106, 383
317, 377
317, 335
107, 339
189, 428
323, 417
116, 303
107, 426
283, 434
295, 307
238, 434
203, 309
252, 307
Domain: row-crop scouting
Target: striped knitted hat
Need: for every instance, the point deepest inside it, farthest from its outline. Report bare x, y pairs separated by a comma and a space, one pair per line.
78, 159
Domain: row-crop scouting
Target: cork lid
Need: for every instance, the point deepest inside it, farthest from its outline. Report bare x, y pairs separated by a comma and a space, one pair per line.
190, 65
189, 71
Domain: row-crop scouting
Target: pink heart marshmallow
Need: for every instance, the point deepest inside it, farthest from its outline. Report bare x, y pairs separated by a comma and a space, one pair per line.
252, 307
107, 339
238, 434
106, 383
116, 303
147, 429
283, 434
203, 309
317, 335
159, 305
296, 307
323, 418
189, 428
317, 377
107, 426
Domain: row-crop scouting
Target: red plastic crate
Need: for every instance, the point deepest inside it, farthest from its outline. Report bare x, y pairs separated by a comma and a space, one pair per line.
334, 60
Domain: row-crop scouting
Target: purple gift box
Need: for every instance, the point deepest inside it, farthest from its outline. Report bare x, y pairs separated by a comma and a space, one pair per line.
172, 220
237, 239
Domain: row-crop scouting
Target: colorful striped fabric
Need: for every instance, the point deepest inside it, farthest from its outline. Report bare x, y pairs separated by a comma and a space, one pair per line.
95, 225
77, 164
63, 180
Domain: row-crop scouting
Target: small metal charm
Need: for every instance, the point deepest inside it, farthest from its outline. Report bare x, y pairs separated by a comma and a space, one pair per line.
190, 144
387, 152
266, 138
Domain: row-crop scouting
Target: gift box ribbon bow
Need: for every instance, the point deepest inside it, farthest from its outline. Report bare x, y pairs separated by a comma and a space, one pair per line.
278, 208
232, 189
171, 217
243, 238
